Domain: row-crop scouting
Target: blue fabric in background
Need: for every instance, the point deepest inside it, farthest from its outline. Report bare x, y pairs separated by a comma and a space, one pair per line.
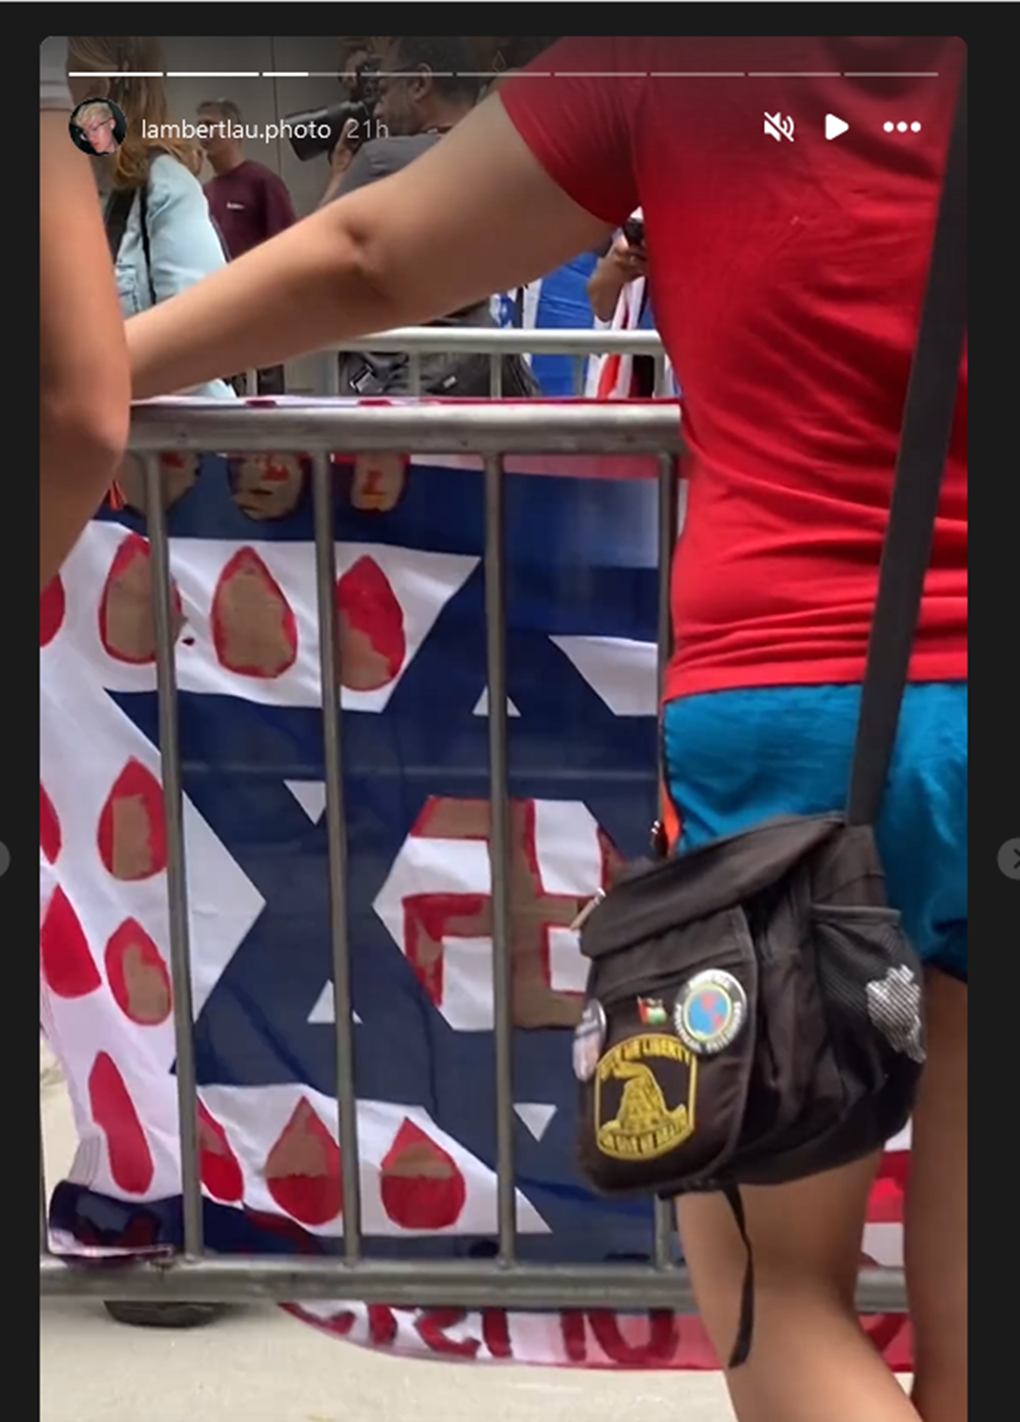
562, 305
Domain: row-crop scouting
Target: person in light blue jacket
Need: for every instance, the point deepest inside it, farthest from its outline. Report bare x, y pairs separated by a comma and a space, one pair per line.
157, 218
169, 243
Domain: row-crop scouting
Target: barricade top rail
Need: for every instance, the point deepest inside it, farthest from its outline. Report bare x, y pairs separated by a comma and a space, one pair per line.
484, 340
483, 428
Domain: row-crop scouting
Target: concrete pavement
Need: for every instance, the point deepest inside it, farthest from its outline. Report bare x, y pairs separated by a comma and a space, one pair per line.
259, 1365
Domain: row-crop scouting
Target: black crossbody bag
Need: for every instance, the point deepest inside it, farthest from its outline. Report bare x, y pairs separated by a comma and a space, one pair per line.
754, 1010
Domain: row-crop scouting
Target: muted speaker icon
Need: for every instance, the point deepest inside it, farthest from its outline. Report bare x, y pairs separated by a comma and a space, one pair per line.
779, 127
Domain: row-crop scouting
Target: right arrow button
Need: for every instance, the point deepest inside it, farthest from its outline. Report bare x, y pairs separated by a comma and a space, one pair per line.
834, 126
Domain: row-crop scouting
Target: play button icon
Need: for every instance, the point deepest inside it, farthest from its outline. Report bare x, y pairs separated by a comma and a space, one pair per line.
834, 126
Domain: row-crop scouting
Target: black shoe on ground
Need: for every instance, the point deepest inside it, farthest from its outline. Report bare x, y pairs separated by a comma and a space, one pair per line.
165, 1315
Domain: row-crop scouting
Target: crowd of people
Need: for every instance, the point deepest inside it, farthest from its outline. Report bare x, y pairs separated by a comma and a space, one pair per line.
165, 242
789, 311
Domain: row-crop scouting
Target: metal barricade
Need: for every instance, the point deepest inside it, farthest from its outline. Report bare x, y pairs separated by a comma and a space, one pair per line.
494, 342
491, 432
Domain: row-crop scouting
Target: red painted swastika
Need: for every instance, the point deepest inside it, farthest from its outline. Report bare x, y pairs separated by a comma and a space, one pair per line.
432, 919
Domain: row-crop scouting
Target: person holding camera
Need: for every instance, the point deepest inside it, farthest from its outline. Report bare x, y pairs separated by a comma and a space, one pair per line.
424, 87
353, 118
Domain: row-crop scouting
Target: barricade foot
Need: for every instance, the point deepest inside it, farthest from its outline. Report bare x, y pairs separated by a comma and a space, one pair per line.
165, 1315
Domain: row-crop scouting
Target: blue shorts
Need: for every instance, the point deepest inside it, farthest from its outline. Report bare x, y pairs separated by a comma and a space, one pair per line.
735, 758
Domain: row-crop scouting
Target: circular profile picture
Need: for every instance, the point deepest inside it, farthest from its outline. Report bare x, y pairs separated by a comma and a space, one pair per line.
98, 127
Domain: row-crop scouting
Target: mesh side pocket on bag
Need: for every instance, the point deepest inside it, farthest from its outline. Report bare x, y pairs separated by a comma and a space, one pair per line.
870, 978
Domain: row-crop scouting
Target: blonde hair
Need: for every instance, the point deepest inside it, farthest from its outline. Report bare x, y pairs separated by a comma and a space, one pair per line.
94, 109
142, 100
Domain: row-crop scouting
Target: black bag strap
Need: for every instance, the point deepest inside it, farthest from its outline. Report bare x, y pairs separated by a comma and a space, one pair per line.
927, 427
745, 1326
115, 218
118, 210
143, 218
924, 443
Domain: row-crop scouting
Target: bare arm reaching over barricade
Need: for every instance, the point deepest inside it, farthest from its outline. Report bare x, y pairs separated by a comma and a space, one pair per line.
83, 368
476, 214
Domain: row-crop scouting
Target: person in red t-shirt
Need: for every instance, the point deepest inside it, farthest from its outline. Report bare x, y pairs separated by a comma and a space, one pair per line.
249, 203
787, 279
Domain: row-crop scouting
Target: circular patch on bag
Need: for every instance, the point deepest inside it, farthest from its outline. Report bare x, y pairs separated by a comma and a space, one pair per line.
710, 1012
589, 1039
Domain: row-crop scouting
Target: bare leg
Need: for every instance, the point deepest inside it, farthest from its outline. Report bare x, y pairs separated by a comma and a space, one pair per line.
936, 1221
810, 1358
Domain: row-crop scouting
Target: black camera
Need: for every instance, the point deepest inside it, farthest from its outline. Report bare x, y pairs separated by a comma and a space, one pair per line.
352, 121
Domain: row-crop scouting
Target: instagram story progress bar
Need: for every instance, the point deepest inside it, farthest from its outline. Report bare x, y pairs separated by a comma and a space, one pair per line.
493, 74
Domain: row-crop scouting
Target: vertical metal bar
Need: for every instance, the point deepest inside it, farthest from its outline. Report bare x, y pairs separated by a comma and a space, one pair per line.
499, 855
660, 387
336, 826
44, 1229
331, 374
414, 368
251, 382
577, 369
669, 495
495, 377
176, 868
664, 1218
669, 480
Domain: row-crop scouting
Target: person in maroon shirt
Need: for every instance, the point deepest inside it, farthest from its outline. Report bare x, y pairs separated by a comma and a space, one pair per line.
249, 203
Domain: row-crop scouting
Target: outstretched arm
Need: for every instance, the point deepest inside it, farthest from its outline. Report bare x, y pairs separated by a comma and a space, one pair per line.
476, 214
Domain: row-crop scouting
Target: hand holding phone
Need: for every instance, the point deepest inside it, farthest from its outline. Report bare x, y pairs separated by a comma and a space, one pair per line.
627, 259
634, 231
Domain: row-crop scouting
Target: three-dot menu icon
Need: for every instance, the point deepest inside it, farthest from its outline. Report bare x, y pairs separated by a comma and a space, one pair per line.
901, 126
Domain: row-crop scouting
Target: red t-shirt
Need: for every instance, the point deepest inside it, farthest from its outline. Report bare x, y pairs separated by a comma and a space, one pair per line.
787, 278
249, 205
